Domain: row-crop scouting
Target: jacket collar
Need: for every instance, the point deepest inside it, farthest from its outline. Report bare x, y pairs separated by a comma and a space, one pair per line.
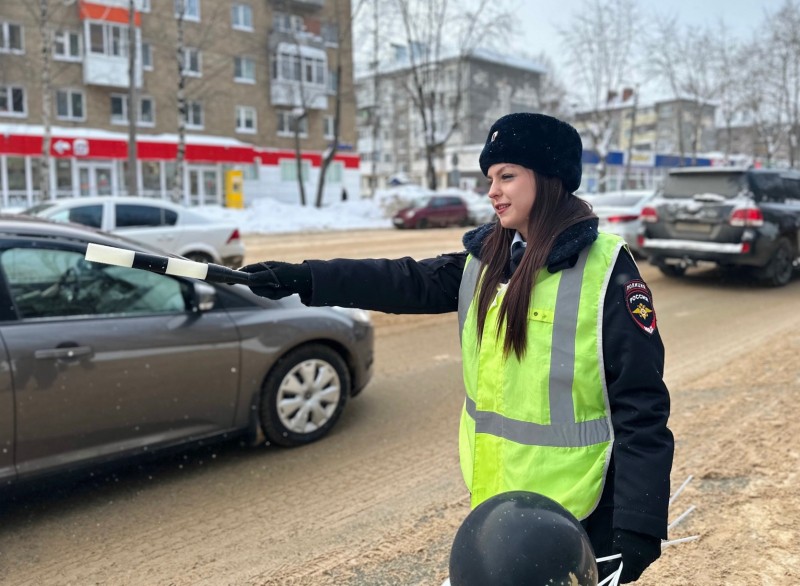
565, 250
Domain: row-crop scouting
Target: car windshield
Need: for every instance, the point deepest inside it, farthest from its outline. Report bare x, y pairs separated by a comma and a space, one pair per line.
421, 202
689, 184
37, 209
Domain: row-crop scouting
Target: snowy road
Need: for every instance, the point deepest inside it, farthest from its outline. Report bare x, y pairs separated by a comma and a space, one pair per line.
378, 501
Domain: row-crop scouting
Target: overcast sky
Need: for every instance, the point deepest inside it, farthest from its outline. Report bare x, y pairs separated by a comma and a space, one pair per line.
539, 22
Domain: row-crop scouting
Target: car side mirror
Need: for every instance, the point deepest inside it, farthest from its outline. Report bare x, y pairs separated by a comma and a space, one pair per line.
205, 297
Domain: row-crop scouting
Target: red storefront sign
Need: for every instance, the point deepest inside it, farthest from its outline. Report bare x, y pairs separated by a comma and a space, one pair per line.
105, 148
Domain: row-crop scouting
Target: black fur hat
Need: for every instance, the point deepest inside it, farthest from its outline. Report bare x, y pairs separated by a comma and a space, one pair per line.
542, 143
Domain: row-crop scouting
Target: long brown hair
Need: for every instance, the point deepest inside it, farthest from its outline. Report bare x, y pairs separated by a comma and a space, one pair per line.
554, 210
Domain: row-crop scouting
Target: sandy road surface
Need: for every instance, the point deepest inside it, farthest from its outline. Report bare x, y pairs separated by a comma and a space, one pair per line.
378, 501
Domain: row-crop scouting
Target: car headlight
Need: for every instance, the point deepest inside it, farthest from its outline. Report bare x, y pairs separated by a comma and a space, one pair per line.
360, 315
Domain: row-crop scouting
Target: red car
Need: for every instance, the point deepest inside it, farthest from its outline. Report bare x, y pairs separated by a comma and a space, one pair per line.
433, 210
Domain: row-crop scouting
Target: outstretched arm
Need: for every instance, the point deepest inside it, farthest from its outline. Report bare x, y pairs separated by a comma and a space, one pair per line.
393, 286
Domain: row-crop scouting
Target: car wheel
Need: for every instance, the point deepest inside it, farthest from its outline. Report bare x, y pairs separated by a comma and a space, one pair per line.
778, 271
672, 270
303, 396
199, 256
422, 224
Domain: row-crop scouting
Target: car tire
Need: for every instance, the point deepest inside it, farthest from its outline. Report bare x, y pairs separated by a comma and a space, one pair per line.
422, 224
304, 395
198, 256
672, 271
779, 269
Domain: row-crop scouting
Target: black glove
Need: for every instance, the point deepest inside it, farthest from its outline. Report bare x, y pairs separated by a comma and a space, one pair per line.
276, 280
638, 551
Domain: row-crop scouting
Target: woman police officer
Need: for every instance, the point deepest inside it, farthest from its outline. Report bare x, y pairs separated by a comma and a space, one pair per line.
562, 359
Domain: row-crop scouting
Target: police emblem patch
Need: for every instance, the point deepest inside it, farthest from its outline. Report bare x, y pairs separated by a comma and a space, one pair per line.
639, 301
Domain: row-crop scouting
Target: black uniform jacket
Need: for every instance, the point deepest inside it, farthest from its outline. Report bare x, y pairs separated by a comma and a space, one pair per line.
637, 487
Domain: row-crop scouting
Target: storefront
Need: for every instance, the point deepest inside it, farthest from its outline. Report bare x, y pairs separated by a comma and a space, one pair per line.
86, 162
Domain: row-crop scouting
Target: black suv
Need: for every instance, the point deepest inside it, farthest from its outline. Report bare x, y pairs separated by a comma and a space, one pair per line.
735, 217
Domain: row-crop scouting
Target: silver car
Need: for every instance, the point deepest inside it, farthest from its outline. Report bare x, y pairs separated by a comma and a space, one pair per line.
619, 213
162, 224
100, 362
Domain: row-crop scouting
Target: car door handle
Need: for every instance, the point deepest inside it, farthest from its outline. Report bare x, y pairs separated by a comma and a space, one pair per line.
59, 353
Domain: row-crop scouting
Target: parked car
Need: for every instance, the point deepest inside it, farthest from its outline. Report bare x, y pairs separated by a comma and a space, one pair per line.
619, 211
101, 362
173, 228
433, 210
735, 217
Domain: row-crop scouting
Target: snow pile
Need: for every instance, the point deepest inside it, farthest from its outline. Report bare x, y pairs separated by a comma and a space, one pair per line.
268, 216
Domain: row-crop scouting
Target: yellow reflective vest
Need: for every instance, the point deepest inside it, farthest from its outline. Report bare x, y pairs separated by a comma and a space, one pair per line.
540, 424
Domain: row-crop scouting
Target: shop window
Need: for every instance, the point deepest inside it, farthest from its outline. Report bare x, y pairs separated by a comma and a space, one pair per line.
289, 170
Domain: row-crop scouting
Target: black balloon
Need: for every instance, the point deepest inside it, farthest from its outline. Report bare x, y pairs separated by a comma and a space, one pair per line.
521, 539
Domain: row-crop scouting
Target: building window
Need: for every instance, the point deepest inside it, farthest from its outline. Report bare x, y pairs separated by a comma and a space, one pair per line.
330, 33
288, 23
286, 124
119, 110
144, 5
147, 56
192, 62
194, 115
11, 38
287, 66
242, 17
189, 8
67, 46
12, 101
245, 119
108, 39
333, 82
244, 69
69, 105
327, 121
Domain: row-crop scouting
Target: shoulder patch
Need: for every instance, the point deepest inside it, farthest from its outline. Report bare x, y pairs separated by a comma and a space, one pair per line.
639, 301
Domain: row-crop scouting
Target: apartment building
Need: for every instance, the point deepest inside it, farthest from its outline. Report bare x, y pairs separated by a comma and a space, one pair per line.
653, 134
252, 71
391, 139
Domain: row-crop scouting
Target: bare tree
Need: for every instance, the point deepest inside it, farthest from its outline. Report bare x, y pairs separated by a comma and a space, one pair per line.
784, 42
728, 69
665, 54
343, 33
180, 95
439, 38
699, 83
600, 47
132, 99
46, 35
764, 98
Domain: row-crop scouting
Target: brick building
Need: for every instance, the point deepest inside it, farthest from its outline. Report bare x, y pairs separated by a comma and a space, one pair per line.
250, 67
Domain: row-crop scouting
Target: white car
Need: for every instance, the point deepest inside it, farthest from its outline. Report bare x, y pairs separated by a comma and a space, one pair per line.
619, 213
173, 228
